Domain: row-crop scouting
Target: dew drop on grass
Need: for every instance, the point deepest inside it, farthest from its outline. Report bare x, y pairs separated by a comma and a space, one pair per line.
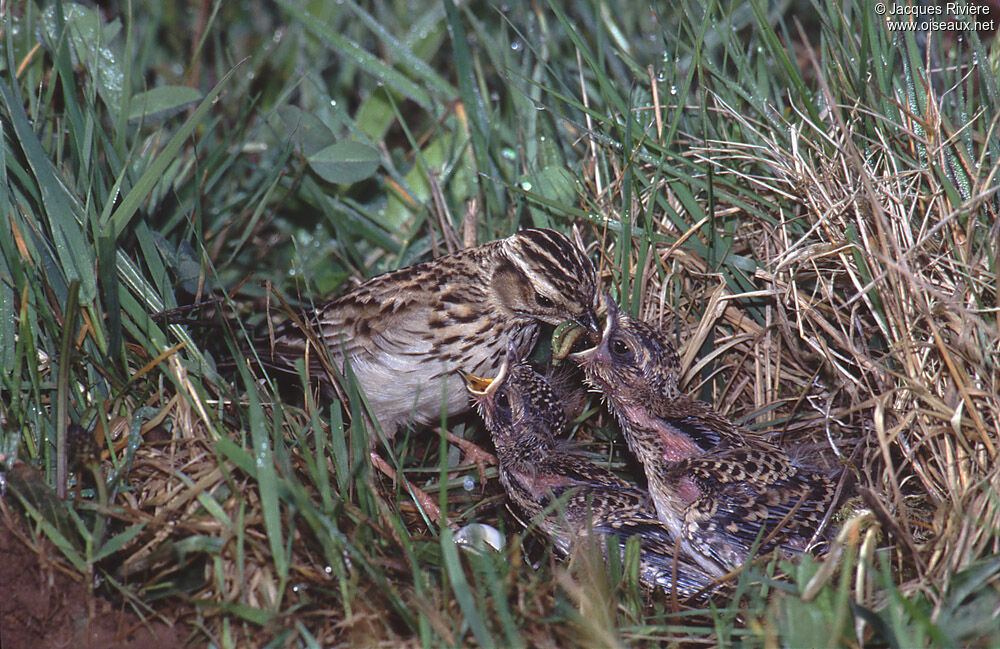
469, 483
516, 46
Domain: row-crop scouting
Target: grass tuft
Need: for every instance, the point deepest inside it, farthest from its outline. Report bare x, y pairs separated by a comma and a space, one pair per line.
807, 199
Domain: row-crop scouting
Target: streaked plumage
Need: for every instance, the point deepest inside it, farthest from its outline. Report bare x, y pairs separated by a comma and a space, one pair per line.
407, 331
716, 486
523, 416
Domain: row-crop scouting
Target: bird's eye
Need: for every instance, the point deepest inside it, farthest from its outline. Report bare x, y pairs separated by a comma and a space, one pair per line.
620, 349
543, 301
502, 401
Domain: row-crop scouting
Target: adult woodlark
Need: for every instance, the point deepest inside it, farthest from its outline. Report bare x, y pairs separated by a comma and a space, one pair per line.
405, 333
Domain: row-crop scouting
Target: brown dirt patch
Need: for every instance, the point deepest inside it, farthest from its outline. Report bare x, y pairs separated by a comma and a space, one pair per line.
43, 607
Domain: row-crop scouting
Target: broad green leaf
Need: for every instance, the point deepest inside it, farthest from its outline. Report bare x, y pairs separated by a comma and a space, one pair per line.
345, 162
307, 132
161, 103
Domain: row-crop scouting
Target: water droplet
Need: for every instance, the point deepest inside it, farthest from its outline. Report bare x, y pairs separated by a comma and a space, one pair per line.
469, 483
526, 186
333, 103
328, 570
661, 77
516, 46
673, 90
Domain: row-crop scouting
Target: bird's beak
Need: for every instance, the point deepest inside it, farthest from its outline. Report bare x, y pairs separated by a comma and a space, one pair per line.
610, 321
477, 385
614, 312
482, 388
589, 321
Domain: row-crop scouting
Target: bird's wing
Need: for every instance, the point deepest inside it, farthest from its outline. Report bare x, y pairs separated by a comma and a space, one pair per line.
747, 495
706, 427
661, 560
347, 330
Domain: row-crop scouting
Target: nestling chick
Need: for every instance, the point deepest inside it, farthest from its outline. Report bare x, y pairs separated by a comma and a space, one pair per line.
405, 333
523, 416
717, 487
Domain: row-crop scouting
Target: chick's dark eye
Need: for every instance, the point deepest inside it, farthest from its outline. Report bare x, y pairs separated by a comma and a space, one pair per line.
502, 401
543, 301
621, 349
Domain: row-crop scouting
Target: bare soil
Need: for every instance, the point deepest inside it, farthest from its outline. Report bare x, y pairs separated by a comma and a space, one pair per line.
43, 607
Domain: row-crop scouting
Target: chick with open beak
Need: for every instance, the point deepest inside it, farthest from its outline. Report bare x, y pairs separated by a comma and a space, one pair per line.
568, 496
517, 405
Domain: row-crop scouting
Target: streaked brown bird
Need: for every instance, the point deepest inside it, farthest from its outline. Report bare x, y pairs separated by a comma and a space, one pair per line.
406, 332
717, 487
537, 470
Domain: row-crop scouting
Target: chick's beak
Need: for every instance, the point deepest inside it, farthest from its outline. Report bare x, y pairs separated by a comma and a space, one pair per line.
483, 389
587, 356
477, 385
